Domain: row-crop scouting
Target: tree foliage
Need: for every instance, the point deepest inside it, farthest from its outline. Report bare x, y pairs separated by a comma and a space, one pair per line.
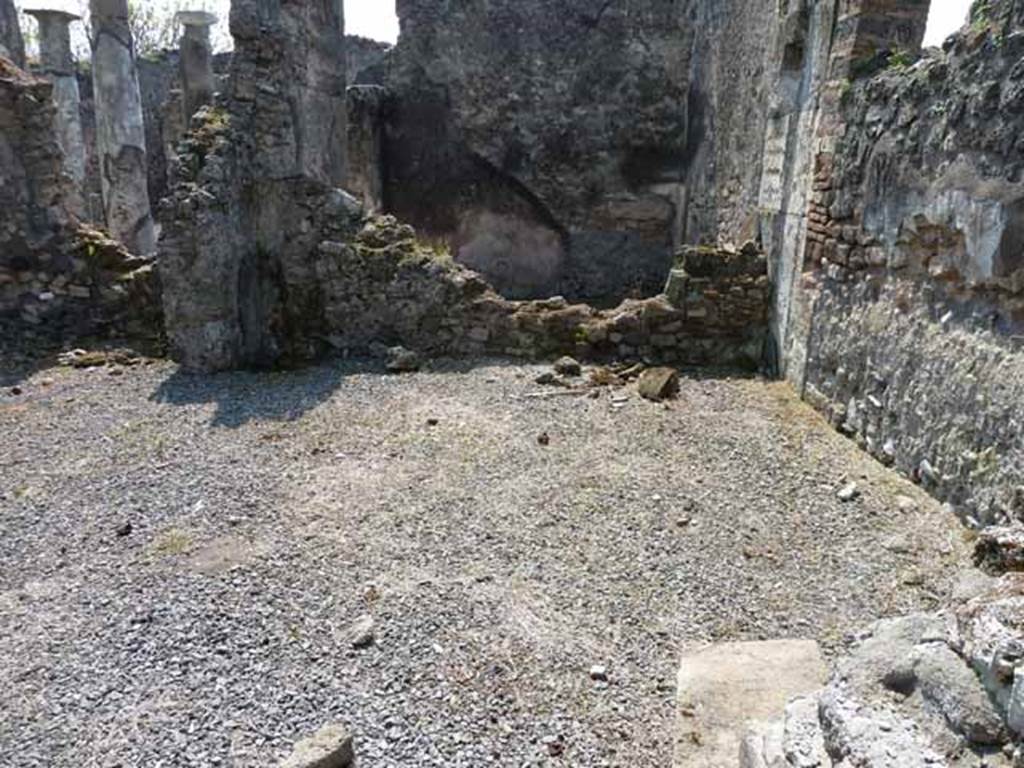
153, 25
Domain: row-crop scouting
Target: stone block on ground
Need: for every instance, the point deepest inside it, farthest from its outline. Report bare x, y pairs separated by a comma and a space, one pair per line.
330, 747
402, 360
658, 383
727, 689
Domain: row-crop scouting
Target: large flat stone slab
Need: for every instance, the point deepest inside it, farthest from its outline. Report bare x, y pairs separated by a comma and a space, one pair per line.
726, 688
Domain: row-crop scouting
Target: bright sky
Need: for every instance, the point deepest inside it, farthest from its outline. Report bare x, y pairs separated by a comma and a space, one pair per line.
947, 16
375, 19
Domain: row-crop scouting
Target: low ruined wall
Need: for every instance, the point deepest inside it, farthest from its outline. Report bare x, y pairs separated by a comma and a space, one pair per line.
914, 334
58, 279
384, 287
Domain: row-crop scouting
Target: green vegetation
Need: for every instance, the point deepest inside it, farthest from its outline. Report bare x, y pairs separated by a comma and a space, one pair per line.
900, 60
980, 17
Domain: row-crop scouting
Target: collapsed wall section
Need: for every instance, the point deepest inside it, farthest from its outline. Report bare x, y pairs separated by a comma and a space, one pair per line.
382, 286
59, 280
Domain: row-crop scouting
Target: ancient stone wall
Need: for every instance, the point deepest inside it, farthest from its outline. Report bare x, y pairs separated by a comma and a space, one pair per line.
382, 286
731, 97
913, 275
547, 155
58, 280
159, 84
365, 60
252, 188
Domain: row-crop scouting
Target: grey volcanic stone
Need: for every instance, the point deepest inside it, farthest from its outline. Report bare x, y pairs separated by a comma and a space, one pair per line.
924, 689
952, 687
402, 360
1000, 548
568, 366
330, 747
264, 162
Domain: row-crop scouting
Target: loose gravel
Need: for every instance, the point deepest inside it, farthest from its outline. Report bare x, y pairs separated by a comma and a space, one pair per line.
186, 561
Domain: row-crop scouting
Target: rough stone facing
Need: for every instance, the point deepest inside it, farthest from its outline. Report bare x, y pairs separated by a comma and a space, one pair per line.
254, 192
547, 156
59, 280
914, 271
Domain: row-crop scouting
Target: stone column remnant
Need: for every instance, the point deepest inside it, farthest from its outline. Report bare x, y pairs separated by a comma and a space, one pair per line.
12, 44
196, 61
120, 130
58, 64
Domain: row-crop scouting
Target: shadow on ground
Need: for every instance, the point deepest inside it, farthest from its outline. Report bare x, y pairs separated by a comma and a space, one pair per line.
245, 396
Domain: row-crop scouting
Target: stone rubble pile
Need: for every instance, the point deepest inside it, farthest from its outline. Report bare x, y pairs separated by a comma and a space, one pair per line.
938, 689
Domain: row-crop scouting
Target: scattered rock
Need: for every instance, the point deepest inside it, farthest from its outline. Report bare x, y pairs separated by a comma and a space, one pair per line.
905, 504
546, 379
658, 384
402, 360
124, 529
362, 633
80, 358
543, 439
330, 747
16, 391
599, 673
554, 745
432, 422
568, 366
999, 549
848, 492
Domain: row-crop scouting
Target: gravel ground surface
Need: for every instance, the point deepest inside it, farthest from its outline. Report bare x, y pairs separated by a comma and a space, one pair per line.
182, 560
